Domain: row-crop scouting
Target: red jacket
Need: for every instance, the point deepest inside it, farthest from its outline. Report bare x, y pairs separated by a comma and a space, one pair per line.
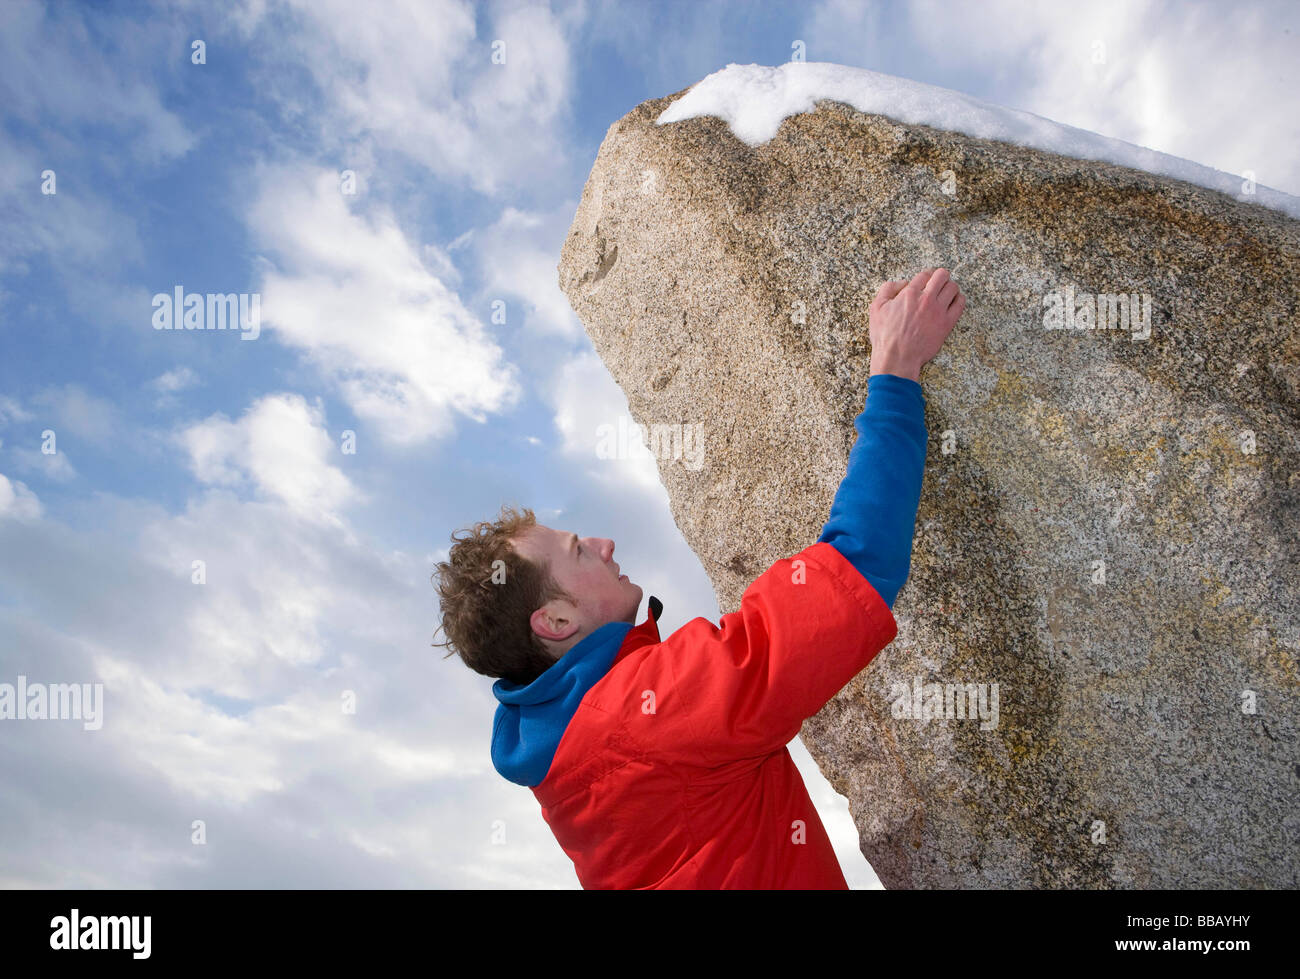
671, 768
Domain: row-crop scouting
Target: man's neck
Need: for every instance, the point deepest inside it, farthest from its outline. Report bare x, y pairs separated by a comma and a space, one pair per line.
557, 652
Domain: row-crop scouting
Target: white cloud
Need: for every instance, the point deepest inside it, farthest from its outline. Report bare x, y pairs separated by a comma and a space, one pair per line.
169, 384
420, 81
294, 615
53, 465
72, 409
282, 447
81, 233
56, 72
353, 294
66, 92
590, 411
236, 759
176, 379
17, 501
12, 411
1129, 70
518, 255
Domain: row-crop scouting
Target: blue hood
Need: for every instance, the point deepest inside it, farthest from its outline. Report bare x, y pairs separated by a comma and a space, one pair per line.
533, 717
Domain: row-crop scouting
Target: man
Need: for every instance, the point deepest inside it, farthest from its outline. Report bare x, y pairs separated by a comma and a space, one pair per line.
662, 763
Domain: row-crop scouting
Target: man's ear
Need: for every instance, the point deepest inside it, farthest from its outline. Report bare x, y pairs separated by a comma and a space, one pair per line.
553, 621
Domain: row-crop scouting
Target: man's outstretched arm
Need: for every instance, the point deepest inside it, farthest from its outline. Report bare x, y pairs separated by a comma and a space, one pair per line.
873, 516
741, 689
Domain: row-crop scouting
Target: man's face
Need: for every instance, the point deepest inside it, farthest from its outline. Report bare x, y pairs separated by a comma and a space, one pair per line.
585, 568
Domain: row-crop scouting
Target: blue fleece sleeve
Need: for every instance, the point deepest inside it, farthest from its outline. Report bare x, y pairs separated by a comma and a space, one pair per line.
873, 516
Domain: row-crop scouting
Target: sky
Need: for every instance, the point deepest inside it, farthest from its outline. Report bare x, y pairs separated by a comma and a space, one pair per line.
233, 531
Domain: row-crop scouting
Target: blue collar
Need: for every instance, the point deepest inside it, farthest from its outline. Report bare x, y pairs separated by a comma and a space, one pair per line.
532, 718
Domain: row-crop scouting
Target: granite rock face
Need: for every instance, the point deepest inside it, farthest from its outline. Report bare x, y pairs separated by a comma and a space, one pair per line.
1109, 528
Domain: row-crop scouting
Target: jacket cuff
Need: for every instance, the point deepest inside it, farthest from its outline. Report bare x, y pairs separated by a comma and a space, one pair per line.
889, 392
884, 627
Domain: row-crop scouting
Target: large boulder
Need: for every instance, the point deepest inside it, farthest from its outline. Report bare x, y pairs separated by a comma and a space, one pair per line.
1109, 528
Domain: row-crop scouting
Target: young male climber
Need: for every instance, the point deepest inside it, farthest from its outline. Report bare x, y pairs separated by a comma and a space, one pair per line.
662, 762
